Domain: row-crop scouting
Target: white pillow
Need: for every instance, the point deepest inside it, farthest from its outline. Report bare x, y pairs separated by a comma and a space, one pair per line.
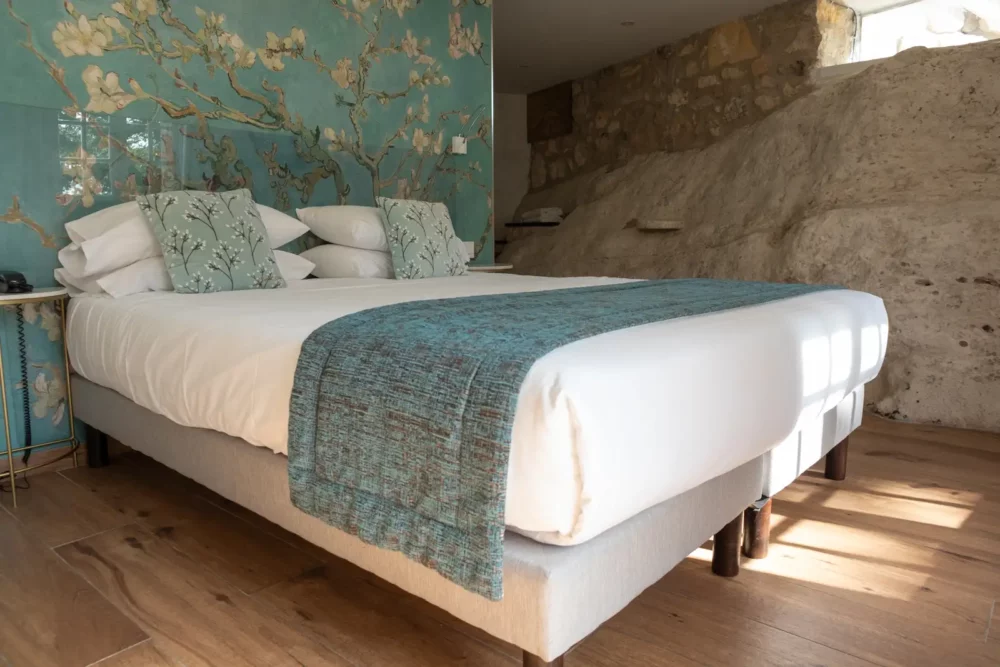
147, 275
337, 261
116, 248
93, 225
352, 226
281, 227
291, 266
77, 286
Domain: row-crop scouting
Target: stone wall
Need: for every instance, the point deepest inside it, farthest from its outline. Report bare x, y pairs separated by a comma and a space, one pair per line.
691, 93
886, 182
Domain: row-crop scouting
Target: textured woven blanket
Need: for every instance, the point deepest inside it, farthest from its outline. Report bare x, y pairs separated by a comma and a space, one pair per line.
401, 416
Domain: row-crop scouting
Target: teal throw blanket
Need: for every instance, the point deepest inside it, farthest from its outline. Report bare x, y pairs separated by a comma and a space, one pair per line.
401, 416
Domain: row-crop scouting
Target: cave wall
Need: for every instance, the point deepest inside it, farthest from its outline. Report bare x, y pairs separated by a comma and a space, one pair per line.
691, 93
887, 182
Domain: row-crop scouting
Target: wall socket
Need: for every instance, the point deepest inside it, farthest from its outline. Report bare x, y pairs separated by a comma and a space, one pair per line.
459, 145
470, 246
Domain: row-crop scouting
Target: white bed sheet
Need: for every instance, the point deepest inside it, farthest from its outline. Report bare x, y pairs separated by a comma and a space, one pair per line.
605, 427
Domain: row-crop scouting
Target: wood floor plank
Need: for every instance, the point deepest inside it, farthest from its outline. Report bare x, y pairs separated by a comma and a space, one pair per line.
718, 636
196, 617
609, 647
48, 614
140, 655
55, 511
899, 565
169, 505
369, 626
875, 425
849, 624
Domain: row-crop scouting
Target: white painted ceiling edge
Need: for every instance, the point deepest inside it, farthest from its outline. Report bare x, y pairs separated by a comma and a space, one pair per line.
539, 43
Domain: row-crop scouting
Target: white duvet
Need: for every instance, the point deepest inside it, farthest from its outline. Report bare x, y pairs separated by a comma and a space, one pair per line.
605, 427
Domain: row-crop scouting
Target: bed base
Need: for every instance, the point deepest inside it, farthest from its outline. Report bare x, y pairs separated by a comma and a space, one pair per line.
551, 601
725, 544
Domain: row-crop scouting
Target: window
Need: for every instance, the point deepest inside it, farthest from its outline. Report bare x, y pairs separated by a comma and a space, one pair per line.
85, 155
929, 23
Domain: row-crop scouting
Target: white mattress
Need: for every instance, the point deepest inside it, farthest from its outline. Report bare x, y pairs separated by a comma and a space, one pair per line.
605, 427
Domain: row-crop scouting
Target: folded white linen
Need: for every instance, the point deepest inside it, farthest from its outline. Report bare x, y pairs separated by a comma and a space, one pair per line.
291, 266
352, 226
337, 261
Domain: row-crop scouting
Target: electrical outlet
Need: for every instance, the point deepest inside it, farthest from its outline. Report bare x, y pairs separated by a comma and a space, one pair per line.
470, 246
459, 145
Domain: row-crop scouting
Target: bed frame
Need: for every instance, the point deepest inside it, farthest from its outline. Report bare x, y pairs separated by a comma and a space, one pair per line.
551, 602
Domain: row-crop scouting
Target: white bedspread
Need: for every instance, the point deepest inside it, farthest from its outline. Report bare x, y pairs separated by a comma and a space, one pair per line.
605, 427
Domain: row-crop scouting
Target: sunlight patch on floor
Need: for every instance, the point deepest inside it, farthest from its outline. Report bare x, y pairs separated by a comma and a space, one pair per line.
890, 507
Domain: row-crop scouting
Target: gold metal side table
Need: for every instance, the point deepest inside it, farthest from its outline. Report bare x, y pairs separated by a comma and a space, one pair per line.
57, 294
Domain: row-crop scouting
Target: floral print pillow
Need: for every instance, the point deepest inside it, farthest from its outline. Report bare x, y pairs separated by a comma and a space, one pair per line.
422, 239
212, 241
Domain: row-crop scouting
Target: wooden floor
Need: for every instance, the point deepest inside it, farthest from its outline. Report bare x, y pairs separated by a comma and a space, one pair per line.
133, 565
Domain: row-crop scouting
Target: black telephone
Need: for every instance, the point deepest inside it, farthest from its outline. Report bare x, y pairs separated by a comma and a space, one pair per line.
12, 282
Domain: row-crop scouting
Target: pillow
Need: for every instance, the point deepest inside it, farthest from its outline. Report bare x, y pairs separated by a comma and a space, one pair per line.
337, 261
93, 225
352, 226
212, 241
76, 285
124, 244
291, 266
422, 239
147, 275
281, 227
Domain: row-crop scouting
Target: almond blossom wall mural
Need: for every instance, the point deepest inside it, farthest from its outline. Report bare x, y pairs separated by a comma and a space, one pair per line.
313, 102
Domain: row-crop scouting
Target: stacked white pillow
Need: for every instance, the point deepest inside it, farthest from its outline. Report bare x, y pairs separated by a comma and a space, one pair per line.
356, 247
114, 252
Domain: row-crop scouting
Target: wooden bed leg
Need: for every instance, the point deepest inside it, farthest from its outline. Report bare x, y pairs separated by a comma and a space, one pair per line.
531, 660
726, 549
836, 462
757, 529
97, 448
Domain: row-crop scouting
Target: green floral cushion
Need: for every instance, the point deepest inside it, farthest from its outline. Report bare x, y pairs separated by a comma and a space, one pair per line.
422, 239
212, 241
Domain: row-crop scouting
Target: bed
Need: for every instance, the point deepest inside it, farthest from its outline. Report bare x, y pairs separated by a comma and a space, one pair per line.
202, 385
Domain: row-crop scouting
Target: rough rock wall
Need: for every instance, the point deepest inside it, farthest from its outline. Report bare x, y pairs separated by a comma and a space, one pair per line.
690, 93
886, 182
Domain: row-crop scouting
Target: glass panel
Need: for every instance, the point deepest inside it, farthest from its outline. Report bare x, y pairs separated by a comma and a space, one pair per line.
70, 139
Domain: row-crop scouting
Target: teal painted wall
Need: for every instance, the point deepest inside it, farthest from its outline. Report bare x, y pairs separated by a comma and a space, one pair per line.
309, 102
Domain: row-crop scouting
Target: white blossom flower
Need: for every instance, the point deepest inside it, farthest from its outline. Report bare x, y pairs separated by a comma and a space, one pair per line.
277, 47
106, 94
400, 6
50, 397
147, 7
343, 74
337, 141
462, 40
79, 39
421, 140
410, 45
81, 171
51, 322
